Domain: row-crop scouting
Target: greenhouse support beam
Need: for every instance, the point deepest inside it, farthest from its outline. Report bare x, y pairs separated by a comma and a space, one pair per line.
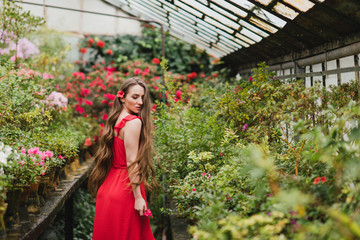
321, 73
349, 50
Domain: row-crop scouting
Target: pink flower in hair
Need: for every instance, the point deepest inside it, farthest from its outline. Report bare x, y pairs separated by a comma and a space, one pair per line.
120, 93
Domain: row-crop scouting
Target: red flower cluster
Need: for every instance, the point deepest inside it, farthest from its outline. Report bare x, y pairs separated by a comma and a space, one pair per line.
91, 41
100, 44
319, 179
155, 61
192, 75
83, 50
109, 51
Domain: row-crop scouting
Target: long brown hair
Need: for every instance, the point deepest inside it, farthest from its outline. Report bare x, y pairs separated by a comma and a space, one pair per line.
104, 154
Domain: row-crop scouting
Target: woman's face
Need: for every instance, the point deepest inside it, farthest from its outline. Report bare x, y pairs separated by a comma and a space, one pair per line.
133, 101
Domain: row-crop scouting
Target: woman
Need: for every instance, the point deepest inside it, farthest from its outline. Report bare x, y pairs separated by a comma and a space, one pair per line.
122, 167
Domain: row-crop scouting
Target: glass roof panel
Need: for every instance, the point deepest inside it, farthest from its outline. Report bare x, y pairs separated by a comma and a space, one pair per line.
254, 29
231, 7
264, 2
263, 25
285, 11
188, 9
302, 5
223, 12
219, 26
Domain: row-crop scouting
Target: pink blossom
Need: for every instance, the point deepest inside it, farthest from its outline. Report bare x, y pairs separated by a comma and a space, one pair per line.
61, 157
58, 99
194, 189
79, 109
178, 94
148, 213
46, 154
22, 163
88, 102
137, 71
88, 142
42, 163
33, 151
23, 150
110, 96
104, 117
204, 173
244, 127
47, 76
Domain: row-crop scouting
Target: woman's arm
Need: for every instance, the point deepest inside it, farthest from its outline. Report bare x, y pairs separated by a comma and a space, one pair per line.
131, 142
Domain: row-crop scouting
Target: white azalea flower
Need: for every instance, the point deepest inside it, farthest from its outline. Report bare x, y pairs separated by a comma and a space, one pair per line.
7, 150
3, 158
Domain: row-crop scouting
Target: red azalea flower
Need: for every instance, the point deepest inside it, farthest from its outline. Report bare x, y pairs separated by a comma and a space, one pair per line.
88, 142
155, 61
154, 108
104, 117
202, 75
110, 96
192, 75
215, 75
83, 50
178, 94
79, 109
194, 189
100, 44
111, 104
323, 179
88, 102
91, 41
109, 51
317, 180
251, 79
120, 94
137, 71
104, 101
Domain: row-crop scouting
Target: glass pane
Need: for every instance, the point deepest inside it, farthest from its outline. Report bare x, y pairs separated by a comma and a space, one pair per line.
302, 5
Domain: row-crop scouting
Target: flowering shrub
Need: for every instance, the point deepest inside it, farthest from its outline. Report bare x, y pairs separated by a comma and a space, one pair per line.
183, 58
289, 175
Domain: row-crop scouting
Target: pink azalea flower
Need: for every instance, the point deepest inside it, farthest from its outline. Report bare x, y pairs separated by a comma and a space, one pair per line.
88, 142
42, 163
194, 189
244, 127
204, 173
22, 163
137, 71
104, 117
178, 94
148, 213
88, 102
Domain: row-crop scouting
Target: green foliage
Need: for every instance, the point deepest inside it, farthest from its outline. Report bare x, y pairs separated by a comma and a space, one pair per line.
290, 162
183, 58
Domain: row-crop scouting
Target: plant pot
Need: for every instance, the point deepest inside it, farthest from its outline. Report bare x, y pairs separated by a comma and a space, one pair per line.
43, 190
13, 198
34, 200
3, 208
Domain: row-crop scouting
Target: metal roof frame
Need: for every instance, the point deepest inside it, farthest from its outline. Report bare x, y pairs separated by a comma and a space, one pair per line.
222, 26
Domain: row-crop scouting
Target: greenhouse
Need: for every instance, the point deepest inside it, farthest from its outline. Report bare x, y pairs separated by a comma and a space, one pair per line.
179, 119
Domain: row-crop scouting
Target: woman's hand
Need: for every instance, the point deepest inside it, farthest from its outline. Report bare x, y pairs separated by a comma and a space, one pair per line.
140, 205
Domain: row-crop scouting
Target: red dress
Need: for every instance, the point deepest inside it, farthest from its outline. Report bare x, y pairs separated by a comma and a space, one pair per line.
115, 215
